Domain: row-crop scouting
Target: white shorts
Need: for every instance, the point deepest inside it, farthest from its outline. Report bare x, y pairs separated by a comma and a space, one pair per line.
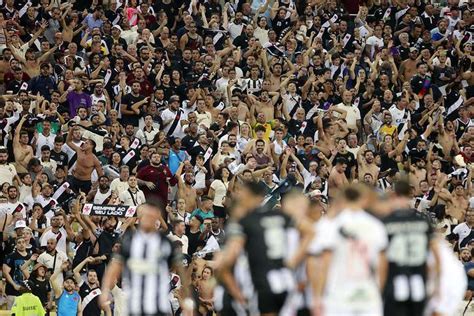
448, 302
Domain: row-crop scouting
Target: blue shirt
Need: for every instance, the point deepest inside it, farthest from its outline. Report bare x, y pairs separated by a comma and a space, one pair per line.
92, 23
175, 159
470, 280
67, 303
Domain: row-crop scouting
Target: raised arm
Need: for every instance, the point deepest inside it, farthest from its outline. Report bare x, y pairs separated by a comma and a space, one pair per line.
70, 143
78, 268
57, 288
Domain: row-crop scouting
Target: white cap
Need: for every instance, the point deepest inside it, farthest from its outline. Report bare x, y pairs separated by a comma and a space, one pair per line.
20, 224
459, 159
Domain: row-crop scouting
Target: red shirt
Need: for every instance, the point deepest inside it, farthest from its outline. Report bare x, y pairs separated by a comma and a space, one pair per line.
159, 176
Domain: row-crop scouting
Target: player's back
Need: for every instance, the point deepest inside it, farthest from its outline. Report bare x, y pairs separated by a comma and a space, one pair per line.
356, 240
409, 237
266, 232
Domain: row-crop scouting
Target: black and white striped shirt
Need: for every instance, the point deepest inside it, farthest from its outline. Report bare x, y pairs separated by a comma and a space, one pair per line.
146, 258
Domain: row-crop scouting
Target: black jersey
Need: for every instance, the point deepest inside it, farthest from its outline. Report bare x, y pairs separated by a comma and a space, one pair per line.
89, 298
266, 234
409, 237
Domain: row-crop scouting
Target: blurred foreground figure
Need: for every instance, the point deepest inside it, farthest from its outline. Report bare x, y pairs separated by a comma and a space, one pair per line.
145, 258
351, 268
410, 238
267, 237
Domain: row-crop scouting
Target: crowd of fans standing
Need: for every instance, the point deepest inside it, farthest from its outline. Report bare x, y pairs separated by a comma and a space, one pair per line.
181, 102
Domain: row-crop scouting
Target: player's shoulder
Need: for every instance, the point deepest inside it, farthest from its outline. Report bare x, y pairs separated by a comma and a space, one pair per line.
261, 215
400, 215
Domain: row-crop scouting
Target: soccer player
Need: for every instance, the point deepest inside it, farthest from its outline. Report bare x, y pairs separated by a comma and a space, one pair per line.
410, 240
352, 259
264, 234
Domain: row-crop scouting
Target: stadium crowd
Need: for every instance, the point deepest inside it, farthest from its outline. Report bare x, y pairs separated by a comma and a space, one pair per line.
110, 107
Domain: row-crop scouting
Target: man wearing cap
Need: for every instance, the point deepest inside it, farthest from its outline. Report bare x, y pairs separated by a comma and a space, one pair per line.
45, 84
193, 232
115, 38
173, 118
37, 278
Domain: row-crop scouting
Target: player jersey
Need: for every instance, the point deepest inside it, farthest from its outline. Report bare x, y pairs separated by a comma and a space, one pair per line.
267, 235
355, 238
409, 237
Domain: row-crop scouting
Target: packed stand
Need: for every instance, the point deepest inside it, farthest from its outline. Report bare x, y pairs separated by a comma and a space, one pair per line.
187, 104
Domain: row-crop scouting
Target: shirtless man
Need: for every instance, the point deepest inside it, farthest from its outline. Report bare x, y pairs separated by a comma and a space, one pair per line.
417, 174
185, 187
366, 162
32, 63
446, 136
22, 150
276, 73
85, 164
238, 111
265, 105
458, 205
326, 135
337, 177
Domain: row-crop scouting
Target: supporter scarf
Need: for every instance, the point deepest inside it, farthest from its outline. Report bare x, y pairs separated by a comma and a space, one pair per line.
426, 86
60, 191
128, 156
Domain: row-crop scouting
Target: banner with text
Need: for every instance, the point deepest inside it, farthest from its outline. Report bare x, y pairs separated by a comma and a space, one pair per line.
109, 210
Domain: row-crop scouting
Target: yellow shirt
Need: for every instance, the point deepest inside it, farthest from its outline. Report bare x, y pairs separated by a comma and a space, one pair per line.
268, 130
28, 305
387, 130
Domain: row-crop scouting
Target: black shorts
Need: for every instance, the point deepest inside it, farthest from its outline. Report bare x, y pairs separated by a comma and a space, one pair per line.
79, 185
406, 308
219, 211
269, 302
228, 306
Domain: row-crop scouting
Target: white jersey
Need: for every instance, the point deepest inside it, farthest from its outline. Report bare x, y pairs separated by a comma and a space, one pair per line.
355, 239
453, 283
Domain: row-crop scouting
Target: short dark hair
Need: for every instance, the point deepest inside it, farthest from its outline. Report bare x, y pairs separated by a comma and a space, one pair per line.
402, 188
256, 188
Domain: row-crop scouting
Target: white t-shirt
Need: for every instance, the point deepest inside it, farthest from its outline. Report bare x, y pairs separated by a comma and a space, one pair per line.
51, 261
234, 29
44, 140
462, 230
374, 41
351, 282
220, 191
169, 115
118, 186
132, 199
7, 172
353, 114
61, 246
398, 116
184, 240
